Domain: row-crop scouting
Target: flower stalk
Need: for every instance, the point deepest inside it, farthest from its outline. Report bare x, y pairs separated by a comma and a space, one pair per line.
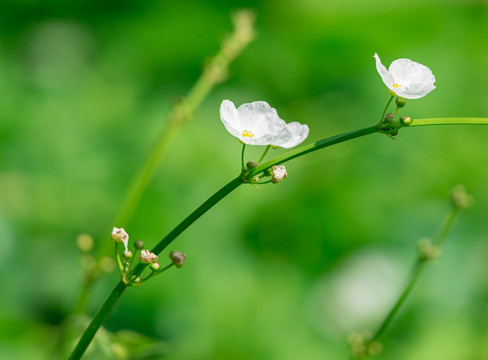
234, 184
427, 251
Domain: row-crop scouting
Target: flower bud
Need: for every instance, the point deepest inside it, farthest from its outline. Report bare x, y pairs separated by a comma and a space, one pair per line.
400, 102
278, 173
119, 235
178, 258
250, 165
405, 120
127, 254
155, 266
138, 244
147, 257
394, 133
388, 119
460, 198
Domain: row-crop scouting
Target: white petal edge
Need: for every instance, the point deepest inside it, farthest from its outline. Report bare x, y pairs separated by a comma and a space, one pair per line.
385, 75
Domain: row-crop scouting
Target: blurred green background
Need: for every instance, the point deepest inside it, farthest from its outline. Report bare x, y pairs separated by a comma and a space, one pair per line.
284, 272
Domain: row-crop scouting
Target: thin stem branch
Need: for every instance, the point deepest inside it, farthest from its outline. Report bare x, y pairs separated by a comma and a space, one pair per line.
386, 108
183, 110
242, 156
416, 270
108, 305
264, 154
449, 121
313, 147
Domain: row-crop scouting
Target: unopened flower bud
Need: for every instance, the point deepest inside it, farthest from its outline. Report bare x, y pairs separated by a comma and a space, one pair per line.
250, 165
178, 258
427, 250
460, 198
278, 173
127, 254
400, 102
405, 120
394, 133
119, 235
148, 257
138, 244
155, 266
388, 119
84, 242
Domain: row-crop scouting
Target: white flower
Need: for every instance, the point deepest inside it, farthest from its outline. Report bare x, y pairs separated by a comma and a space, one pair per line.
257, 123
120, 235
406, 78
278, 173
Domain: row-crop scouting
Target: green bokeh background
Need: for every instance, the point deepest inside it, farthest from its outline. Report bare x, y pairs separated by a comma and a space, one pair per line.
284, 272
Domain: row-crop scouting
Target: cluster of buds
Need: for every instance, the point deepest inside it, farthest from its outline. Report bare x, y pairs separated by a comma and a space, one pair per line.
146, 257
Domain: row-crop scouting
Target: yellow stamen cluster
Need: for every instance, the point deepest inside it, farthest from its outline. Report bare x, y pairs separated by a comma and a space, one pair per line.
247, 133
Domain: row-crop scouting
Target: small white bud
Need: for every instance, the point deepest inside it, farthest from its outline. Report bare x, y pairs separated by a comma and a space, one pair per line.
278, 173
148, 257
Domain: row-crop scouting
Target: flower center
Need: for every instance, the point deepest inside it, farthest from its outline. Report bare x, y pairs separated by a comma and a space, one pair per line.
395, 85
247, 133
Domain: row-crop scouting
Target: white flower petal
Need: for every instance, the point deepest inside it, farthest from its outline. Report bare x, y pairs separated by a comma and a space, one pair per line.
229, 116
407, 78
298, 133
257, 123
385, 75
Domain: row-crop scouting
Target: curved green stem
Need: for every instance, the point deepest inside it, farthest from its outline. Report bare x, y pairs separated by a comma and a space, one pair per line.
264, 154
386, 108
108, 305
416, 270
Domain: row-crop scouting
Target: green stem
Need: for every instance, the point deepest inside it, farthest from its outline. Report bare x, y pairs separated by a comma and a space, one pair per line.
242, 156
414, 274
264, 154
228, 188
386, 108
213, 73
417, 269
313, 147
97, 321
202, 209
108, 305
449, 121
446, 226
